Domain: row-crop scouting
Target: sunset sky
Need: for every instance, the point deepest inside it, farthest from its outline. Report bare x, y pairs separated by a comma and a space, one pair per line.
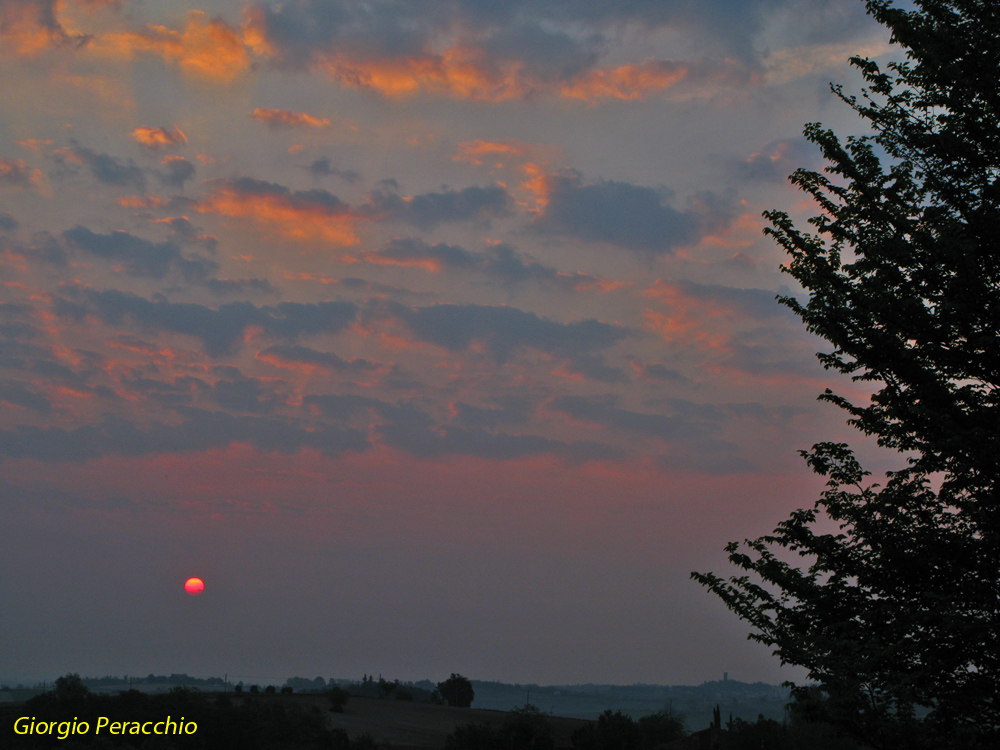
434, 335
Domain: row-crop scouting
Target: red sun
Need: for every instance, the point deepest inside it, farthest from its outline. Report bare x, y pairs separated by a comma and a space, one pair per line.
194, 586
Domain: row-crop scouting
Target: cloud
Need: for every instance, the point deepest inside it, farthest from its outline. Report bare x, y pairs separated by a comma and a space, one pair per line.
239, 286
776, 161
283, 118
593, 367
509, 410
501, 262
297, 357
323, 168
234, 391
427, 210
19, 393
15, 173
501, 331
138, 256
219, 330
28, 27
177, 170
7, 222
656, 371
465, 50
416, 252
406, 427
474, 151
299, 214
185, 231
606, 410
621, 213
104, 168
159, 138
207, 49
714, 300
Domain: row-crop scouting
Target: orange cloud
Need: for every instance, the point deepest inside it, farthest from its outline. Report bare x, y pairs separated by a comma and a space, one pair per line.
208, 49
471, 151
377, 259
626, 81
291, 215
685, 322
16, 173
158, 138
28, 28
464, 72
277, 118
538, 184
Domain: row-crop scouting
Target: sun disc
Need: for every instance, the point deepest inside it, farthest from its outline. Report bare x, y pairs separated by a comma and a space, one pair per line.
194, 586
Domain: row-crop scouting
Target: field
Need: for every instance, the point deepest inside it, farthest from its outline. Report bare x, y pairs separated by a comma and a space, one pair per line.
404, 724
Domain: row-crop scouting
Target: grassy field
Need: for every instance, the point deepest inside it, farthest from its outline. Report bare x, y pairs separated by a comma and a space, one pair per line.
403, 724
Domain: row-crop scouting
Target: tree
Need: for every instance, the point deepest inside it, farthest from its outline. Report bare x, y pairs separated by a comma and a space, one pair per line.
613, 730
661, 728
338, 698
457, 691
900, 608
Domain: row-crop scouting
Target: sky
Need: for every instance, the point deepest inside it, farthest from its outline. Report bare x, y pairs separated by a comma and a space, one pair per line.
434, 335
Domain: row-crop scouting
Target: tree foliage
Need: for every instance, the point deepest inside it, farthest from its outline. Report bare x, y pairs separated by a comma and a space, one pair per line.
897, 611
457, 691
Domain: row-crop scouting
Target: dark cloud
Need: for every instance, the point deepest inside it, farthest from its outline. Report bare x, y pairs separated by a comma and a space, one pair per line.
595, 367
606, 410
200, 430
239, 286
502, 330
139, 256
219, 330
304, 199
234, 391
776, 161
501, 262
16, 173
509, 410
176, 171
521, 30
656, 371
323, 168
105, 168
295, 354
754, 304
7, 222
550, 55
178, 391
427, 210
631, 216
512, 267
185, 231
407, 427
19, 393
414, 251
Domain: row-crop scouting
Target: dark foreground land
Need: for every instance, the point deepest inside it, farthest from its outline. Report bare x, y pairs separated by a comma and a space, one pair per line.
423, 725
259, 722
69, 715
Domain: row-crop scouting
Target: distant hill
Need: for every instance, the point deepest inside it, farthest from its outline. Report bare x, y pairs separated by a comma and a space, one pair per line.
741, 699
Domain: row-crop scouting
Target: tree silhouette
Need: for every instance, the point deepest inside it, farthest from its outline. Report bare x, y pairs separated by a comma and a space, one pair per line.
457, 691
900, 608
